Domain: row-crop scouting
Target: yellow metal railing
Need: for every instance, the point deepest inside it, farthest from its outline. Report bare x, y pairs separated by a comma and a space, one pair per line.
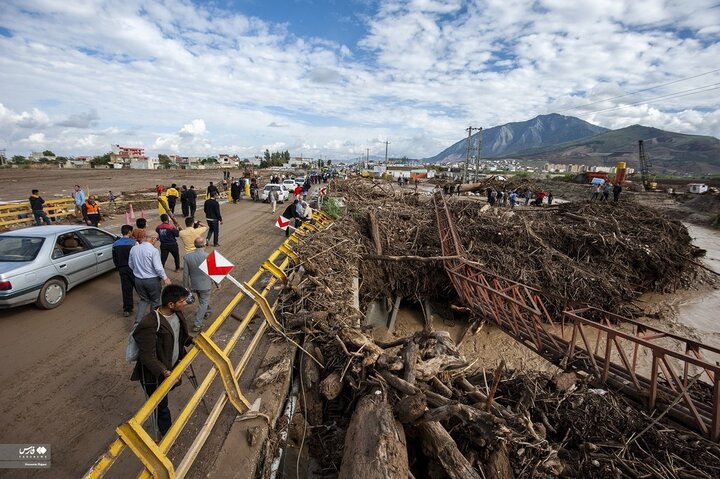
132, 435
20, 212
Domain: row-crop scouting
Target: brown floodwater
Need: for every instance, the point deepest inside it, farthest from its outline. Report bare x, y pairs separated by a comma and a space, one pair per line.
700, 310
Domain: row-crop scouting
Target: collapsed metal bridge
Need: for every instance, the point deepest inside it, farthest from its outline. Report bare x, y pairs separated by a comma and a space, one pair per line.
671, 375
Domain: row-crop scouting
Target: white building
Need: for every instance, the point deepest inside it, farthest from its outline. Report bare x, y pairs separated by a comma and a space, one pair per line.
697, 188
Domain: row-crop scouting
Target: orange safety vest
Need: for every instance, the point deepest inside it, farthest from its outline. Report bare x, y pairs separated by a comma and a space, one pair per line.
92, 209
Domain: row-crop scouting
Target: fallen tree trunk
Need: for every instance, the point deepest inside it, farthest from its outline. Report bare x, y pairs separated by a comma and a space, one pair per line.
375, 444
437, 444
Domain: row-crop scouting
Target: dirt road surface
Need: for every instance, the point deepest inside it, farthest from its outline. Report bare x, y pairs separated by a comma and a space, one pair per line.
16, 183
64, 379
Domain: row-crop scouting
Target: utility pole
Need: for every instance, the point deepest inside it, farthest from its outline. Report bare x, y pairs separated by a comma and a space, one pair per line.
386, 148
469, 129
367, 157
477, 156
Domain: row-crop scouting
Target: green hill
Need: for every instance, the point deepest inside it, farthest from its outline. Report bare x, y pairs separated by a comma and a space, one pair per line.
670, 153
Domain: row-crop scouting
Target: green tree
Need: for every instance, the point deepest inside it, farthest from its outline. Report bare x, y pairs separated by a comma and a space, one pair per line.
321, 163
266, 155
329, 162
101, 160
164, 161
48, 153
19, 159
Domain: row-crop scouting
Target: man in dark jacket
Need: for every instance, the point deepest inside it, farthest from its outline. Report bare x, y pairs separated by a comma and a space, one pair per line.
213, 218
161, 338
120, 254
36, 205
184, 206
168, 235
292, 212
192, 201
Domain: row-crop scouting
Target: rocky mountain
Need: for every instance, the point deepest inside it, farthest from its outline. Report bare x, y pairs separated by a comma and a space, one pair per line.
504, 140
669, 152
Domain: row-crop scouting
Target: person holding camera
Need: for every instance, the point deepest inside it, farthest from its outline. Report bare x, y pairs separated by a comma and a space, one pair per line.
193, 229
196, 280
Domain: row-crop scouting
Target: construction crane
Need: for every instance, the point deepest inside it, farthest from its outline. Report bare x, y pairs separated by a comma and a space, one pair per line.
648, 180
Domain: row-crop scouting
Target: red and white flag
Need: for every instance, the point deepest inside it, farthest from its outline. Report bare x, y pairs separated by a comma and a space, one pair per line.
282, 223
216, 266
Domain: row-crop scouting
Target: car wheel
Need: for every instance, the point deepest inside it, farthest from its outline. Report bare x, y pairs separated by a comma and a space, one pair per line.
52, 294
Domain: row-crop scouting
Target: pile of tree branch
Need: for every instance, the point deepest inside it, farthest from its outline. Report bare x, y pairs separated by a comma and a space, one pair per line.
415, 407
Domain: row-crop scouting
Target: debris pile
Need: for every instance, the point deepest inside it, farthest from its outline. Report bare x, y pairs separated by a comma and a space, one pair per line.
415, 405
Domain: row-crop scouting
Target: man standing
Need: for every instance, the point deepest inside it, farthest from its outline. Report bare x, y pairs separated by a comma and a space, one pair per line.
161, 338
291, 212
91, 212
148, 272
213, 218
211, 189
121, 254
192, 200
168, 242
274, 196
79, 198
138, 233
184, 202
36, 205
196, 280
172, 195
191, 231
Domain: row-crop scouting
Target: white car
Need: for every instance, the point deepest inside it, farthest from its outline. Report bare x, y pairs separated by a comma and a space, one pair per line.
40, 264
289, 183
300, 180
283, 192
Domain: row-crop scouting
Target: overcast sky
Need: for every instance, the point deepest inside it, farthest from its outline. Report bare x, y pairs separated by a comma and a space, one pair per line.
333, 78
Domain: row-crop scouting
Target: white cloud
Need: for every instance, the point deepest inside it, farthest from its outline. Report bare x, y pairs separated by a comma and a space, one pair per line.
131, 71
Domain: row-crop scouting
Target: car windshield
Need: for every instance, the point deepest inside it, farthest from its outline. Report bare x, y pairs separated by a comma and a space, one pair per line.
19, 248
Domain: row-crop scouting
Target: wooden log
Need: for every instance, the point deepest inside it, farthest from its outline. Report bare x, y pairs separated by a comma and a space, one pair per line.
375, 446
440, 387
331, 386
358, 340
440, 446
311, 387
430, 368
441, 413
409, 258
409, 355
375, 232
498, 464
410, 408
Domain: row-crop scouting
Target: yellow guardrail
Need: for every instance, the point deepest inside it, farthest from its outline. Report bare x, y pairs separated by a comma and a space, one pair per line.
132, 435
20, 212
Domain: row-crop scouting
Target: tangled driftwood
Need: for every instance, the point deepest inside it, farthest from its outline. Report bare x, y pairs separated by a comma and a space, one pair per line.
415, 407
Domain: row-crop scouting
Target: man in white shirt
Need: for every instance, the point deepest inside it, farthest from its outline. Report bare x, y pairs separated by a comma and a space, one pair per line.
144, 261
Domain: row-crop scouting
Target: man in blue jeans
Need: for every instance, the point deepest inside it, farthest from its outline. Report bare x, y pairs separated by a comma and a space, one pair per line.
36, 205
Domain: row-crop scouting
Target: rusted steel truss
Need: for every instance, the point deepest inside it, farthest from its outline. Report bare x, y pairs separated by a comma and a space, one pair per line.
669, 374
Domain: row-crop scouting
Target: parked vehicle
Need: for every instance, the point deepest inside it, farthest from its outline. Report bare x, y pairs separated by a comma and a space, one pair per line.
283, 192
300, 180
289, 183
40, 264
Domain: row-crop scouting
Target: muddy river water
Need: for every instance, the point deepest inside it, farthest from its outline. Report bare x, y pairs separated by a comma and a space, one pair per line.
701, 310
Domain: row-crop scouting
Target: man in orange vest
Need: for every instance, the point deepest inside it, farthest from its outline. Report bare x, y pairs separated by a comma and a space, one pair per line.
91, 211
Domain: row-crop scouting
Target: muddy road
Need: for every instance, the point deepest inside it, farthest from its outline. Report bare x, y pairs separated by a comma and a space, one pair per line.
64, 376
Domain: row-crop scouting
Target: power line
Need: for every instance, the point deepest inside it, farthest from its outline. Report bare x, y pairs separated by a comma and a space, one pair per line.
640, 91
691, 91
